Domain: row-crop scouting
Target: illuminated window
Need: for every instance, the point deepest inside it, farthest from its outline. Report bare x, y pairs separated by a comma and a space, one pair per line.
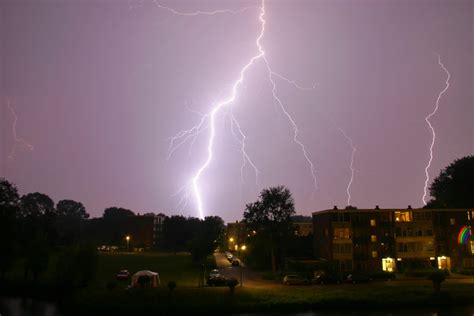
373, 238
403, 216
374, 254
452, 221
372, 222
388, 264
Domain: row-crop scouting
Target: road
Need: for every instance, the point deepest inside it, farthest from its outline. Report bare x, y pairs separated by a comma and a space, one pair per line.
245, 276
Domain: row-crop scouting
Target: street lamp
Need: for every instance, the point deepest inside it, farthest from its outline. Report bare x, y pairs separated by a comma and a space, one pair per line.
242, 248
128, 242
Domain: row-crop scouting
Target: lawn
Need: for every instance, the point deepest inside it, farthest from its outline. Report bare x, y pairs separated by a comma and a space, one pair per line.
178, 268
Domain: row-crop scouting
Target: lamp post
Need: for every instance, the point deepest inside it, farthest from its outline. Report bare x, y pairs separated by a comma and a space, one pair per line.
242, 248
128, 242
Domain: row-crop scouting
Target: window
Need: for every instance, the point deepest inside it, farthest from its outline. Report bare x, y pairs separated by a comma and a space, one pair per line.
429, 232
388, 264
341, 233
373, 238
452, 221
374, 254
372, 222
403, 216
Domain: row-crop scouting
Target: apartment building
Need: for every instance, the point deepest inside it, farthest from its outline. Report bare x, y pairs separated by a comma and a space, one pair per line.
394, 239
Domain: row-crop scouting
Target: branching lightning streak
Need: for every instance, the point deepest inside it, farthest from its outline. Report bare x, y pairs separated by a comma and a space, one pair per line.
351, 166
433, 134
210, 118
18, 141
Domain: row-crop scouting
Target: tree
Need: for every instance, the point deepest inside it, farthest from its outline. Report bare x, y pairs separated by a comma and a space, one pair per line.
38, 217
114, 225
114, 213
35, 205
454, 187
71, 209
270, 217
70, 221
207, 234
9, 209
175, 234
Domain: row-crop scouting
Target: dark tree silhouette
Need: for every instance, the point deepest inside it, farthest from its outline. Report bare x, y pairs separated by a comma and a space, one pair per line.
71, 216
270, 217
37, 204
454, 187
113, 213
71, 209
206, 238
9, 209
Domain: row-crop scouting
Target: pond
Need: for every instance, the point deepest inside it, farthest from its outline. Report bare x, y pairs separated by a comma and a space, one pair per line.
31, 307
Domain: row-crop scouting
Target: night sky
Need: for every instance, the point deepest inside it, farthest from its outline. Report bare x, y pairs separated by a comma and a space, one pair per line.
99, 87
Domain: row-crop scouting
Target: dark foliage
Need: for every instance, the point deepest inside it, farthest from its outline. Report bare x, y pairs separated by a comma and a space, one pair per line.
454, 187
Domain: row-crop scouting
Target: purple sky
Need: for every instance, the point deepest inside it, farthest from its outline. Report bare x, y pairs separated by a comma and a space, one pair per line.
100, 86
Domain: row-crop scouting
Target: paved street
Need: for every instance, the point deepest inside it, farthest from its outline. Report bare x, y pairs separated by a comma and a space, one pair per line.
249, 277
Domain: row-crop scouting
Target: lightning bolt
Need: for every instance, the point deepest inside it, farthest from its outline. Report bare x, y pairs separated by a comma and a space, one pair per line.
18, 141
433, 134
351, 166
208, 120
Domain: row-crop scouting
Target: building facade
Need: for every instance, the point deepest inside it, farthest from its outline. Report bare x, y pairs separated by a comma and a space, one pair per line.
145, 231
394, 239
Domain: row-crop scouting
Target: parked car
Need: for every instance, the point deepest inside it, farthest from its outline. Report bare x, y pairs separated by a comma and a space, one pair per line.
123, 275
214, 273
236, 263
326, 278
218, 281
358, 278
294, 279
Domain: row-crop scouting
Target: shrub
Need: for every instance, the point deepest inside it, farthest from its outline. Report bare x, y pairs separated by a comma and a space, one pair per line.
171, 285
437, 277
111, 285
383, 275
232, 283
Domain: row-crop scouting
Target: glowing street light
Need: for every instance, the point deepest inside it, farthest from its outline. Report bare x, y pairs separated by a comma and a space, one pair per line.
243, 247
231, 239
128, 241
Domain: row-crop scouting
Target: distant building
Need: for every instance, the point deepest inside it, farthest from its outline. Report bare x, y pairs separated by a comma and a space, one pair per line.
302, 229
145, 231
393, 239
236, 234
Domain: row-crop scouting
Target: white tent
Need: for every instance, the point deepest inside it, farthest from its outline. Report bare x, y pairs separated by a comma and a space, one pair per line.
154, 278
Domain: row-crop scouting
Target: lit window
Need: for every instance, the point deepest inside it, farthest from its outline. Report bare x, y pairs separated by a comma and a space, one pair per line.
388, 264
372, 222
452, 221
373, 238
374, 254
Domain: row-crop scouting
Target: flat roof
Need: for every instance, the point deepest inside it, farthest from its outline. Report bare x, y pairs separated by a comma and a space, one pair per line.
366, 210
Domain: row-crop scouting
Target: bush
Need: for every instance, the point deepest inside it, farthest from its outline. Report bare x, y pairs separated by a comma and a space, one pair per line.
111, 285
383, 275
423, 273
171, 285
467, 271
232, 283
437, 277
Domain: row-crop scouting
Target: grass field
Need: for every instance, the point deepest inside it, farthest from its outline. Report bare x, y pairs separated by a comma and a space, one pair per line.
178, 268
187, 297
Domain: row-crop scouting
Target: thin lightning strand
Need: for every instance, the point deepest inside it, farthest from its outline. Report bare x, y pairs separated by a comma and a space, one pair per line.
433, 134
18, 141
198, 12
210, 118
351, 166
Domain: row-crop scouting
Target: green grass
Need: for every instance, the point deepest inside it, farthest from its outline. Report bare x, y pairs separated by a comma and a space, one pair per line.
178, 268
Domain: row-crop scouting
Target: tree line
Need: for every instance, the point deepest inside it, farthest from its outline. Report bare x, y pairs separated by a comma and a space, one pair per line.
33, 229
